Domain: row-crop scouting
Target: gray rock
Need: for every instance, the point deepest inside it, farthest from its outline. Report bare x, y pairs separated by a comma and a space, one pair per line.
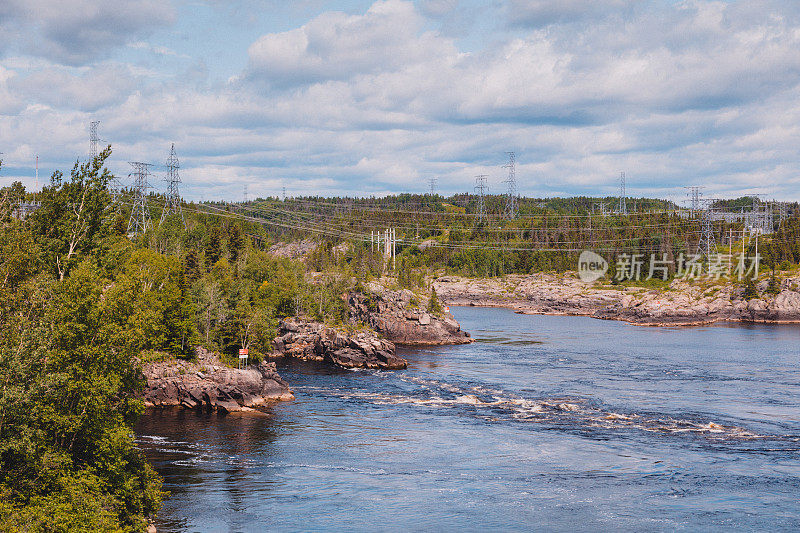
413, 327
314, 341
173, 383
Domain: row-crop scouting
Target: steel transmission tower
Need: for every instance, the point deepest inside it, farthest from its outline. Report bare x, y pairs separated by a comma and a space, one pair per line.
172, 202
695, 192
93, 139
783, 212
511, 199
707, 244
140, 214
432, 185
623, 207
480, 186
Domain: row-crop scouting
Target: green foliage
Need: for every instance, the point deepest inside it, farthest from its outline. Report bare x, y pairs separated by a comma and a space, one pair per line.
69, 379
407, 277
434, 306
73, 214
774, 286
213, 246
67, 409
749, 290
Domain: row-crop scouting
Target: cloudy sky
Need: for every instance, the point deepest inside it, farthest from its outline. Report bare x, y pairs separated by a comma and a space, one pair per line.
361, 97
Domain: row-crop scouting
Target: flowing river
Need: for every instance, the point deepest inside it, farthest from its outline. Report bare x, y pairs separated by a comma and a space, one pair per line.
553, 423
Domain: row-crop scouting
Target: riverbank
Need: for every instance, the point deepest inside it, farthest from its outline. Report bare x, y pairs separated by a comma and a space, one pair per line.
680, 303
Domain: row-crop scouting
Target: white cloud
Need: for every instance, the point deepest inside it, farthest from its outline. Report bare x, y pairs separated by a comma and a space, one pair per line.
689, 93
337, 46
87, 89
74, 32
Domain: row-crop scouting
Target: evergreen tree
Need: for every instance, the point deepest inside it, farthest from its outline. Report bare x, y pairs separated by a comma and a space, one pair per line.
235, 242
434, 307
213, 247
750, 290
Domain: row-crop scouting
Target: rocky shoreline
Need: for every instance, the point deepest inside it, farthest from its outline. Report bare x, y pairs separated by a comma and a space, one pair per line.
207, 384
377, 322
380, 319
680, 304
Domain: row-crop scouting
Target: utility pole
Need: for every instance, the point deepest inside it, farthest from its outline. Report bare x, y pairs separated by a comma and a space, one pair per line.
511, 199
480, 186
140, 214
755, 257
730, 243
783, 213
172, 202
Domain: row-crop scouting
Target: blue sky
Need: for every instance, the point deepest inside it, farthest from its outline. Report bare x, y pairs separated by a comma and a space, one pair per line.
361, 97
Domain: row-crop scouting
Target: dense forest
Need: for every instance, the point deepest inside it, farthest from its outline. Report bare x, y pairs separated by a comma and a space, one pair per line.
447, 235
83, 304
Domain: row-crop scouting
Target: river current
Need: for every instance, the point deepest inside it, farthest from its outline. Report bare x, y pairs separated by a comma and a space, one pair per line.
547, 423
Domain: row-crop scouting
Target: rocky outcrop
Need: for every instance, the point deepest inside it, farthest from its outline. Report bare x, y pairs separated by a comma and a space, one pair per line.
401, 317
208, 384
681, 303
313, 341
294, 249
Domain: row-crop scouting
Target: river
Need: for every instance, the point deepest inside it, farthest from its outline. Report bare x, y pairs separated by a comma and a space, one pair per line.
549, 423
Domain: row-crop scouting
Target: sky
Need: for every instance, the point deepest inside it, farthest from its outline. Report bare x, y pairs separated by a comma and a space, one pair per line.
371, 98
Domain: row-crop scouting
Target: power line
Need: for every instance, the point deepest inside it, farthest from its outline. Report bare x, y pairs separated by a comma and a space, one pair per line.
455, 246
303, 221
